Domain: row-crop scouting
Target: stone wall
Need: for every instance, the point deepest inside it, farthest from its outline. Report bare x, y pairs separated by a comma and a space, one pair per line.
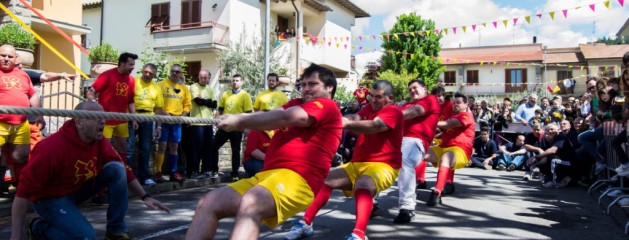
16, 8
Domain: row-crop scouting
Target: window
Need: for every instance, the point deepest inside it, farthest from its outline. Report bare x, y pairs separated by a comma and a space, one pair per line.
472, 76
192, 70
561, 75
606, 73
160, 16
449, 77
190, 13
515, 80
84, 41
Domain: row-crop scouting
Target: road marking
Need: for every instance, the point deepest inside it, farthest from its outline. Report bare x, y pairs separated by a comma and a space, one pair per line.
164, 232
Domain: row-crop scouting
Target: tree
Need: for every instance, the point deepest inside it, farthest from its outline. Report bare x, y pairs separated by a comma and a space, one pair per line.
163, 62
408, 51
610, 41
343, 94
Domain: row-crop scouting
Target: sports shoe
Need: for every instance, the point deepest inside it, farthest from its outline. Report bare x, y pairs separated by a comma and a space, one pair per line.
300, 230
510, 168
354, 237
487, 166
549, 184
421, 185
149, 182
527, 176
177, 177
235, 179
501, 167
119, 236
159, 177
197, 175
435, 199
212, 174
405, 216
536, 174
622, 170
448, 188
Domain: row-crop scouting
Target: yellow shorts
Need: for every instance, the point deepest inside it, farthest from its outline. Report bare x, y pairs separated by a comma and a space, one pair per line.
436, 142
291, 192
117, 130
461, 159
15, 134
383, 174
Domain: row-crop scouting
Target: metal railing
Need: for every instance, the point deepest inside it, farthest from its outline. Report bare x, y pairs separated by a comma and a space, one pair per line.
221, 32
59, 95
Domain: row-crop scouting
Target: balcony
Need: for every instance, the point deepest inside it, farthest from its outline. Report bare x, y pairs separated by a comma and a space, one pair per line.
191, 37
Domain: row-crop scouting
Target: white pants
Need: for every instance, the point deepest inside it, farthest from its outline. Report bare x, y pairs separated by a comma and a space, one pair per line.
412, 154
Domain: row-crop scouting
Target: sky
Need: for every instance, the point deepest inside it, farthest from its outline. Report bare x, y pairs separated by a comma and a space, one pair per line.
580, 26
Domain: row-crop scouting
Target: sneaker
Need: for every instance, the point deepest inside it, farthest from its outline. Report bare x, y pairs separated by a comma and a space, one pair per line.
527, 176
353, 236
212, 174
510, 168
421, 185
448, 188
159, 178
119, 236
300, 230
536, 174
405, 216
501, 167
149, 182
177, 177
487, 166
235, 179
622, 170
435, 199
549, 184
599, 168
197, 175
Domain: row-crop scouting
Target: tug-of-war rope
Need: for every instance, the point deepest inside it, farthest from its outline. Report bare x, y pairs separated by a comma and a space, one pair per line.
104, 115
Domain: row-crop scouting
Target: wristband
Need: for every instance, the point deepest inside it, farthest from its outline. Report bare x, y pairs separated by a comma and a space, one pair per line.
145, 196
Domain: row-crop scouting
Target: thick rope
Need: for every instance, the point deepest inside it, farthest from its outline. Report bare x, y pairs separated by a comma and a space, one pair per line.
104, 115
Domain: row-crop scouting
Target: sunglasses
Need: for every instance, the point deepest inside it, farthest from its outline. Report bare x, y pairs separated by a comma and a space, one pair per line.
175, 72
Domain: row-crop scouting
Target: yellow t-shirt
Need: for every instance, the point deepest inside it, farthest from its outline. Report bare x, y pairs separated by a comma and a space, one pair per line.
268, 100
235, 103
200, 111
148, 96
176, 97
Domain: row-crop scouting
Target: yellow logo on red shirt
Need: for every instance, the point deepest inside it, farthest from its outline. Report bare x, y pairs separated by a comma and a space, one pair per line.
318, 104
84, 170
266, 144
11, 82
122, 89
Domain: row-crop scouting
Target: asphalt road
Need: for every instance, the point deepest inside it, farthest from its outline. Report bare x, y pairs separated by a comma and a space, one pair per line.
486, 205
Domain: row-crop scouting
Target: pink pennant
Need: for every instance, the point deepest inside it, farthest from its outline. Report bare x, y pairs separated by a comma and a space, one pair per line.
360, 38
329, 44
388, 37
621, 2
454, 30
539, 15
345, 46
474, 27
495, 24
437, 31
360, 48
347, 38
593, 7
515, 20
406, 34
565, 13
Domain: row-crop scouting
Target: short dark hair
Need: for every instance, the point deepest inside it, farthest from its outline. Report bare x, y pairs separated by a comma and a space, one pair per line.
384, 85
506, 99
458, 95
273, 75
125, 56
484, 129
175, 65
150, 65
418, 81
325, 75
237, 75
438, 90
625, 59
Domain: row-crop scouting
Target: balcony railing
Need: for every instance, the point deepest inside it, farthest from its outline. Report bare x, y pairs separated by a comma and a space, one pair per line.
189, 35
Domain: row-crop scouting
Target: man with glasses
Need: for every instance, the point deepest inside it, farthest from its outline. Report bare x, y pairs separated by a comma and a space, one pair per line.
235, 101
177, 102
526, 111
148, 100
271, 98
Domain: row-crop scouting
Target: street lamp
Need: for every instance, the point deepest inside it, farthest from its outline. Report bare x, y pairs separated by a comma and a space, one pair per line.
545, 71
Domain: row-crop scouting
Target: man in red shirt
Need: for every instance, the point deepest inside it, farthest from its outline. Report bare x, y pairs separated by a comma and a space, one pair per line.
455, 150
258, 143
361, 94
290, 178
375, 164
421, 116
116, 91
66, 169
17, 90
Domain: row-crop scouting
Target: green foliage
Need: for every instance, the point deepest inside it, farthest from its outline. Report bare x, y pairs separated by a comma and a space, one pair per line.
14, 35
399, 81
610, 41
343, 94
424, 49
163, 62
103, 53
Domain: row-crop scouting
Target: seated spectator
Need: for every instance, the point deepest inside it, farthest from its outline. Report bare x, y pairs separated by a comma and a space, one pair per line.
556, 161
535, 143
556, 113
512, 155
538, 118
570, 113
485, 151
257, 144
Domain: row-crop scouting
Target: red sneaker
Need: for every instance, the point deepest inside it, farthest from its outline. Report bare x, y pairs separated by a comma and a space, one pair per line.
177, 177
159, 178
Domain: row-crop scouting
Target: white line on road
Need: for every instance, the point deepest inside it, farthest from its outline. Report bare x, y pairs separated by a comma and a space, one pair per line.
164, 232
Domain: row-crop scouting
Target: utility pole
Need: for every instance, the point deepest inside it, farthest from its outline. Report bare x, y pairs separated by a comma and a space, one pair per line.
267, 34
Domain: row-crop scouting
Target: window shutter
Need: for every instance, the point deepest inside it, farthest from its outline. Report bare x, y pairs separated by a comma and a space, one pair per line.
196, 12
185, 13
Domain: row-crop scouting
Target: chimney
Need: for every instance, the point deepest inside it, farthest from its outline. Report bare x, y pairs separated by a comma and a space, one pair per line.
534, 39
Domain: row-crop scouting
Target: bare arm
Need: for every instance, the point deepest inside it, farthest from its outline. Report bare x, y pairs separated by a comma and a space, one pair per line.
450, 123
257, 154
532, 148
18, 213
552, 150
293, 116
51, 76
135, 187
34, 101
413, 112
365, 126
518, 152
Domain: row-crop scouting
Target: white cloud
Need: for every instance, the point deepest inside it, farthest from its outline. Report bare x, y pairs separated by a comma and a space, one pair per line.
359, 26
363, 59
376, 7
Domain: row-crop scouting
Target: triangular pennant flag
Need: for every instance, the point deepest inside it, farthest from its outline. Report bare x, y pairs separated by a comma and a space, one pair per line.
539, 15
621, 2
454, 30
420, 33
565, 13
549, 89
388, 37
528, 19
337, 45
412, 34
345, 46
464, 28
552, 15
556, 89
606, 3
347, 38
508, 64
360, 47
329, 44
374, 36
481, 63
505, 22
427, 33
406, 34
474, 27
606, 68
484, 24
404, 54
593, 7
437, 31
445, 30
354, 47
582, 67
495, 24
494, 63
569, 66
396, 36
515, 20
360, 38
412, 56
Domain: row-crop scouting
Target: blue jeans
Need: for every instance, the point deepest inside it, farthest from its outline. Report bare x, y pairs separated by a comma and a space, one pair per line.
592, 144
61, 219
506, 160
201, 140
253, 166
145, 134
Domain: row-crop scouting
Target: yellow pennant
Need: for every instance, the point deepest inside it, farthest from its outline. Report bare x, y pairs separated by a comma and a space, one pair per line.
495, 63
528, 19
484, 24
552, 15
412, 34
606, 68
505, 22
395, 36
428, 33
582, 67
445, 30
412, 56
464, 28
606, 3
481, 63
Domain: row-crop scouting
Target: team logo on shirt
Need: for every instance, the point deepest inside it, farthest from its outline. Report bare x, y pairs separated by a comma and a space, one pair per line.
84, 170
122, 89
11, 82
318, 104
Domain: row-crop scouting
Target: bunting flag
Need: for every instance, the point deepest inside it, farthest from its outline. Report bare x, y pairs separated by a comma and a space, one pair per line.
495, 24
474, 27
528, 19
464, 28
515, 20
412, 34
621, 2
593, 7
606, 3
556, 89
565, 13
454, 30
549, 89
505, 22
539, 15
484, 24
445, 30
552, 15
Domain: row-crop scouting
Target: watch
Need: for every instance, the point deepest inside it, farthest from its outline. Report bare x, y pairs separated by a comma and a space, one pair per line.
145, 196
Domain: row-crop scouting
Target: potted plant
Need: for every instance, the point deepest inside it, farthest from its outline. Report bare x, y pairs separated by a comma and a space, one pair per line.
23, 41
283, 78
103, 57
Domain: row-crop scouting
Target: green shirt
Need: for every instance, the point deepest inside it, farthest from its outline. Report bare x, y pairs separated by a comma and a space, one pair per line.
200, 111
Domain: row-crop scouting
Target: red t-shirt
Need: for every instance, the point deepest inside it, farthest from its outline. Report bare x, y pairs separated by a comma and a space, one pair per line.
383, 146
462, 137
60, 164
16, 89
115, 92
256, 140
308, 151
423, 127
446, 110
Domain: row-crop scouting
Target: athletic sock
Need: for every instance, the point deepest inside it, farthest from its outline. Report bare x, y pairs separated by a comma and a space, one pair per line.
320, 200
420, 171
173, 158
364, 204
441, 178
159, 161
450, 176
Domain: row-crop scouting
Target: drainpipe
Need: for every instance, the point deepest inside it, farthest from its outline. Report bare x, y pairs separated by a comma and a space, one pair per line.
267, 34
102, 18
298, 35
